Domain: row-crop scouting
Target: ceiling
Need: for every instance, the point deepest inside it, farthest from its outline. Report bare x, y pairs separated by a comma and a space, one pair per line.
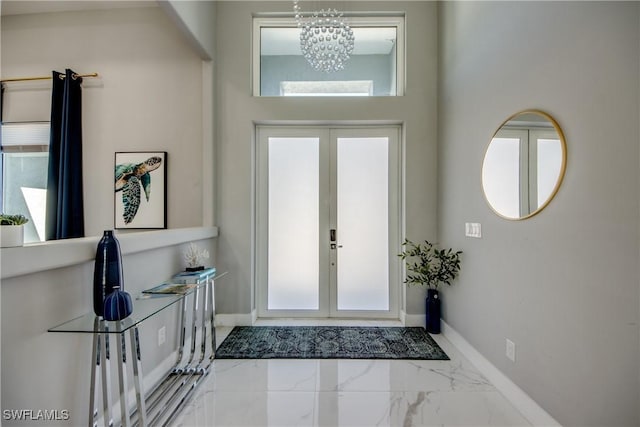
22, 7
275, 41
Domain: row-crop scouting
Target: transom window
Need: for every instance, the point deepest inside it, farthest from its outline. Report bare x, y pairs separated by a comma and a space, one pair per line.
375, 68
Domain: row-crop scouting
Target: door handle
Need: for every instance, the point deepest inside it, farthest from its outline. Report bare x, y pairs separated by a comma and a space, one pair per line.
332, 238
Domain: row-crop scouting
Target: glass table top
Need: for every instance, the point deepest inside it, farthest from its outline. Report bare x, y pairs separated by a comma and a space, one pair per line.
145, 305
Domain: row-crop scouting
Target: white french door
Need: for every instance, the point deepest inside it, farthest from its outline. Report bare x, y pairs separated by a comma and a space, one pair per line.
327, 223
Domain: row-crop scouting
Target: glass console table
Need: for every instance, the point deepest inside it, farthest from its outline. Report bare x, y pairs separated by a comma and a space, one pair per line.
193, 361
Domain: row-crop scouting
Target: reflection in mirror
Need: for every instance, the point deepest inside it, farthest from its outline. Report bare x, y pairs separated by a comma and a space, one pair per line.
524, 165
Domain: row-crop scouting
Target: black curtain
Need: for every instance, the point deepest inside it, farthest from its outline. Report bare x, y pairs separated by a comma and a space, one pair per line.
1, 105
65, 211
1, 100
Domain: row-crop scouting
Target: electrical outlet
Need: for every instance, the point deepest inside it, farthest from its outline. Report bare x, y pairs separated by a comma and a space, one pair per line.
511, 350
162, 335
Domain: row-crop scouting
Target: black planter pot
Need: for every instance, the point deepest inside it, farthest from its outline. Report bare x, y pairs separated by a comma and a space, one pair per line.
432, 311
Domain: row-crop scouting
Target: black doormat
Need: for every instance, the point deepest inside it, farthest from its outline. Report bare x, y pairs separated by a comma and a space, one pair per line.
329, 342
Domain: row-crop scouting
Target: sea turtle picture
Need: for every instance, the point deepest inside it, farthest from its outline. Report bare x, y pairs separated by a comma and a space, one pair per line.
129, 178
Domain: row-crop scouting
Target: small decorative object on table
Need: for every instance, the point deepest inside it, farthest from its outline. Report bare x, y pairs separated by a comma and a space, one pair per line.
427, 265
195, 257
191, 277
107, 273
12, 230
170, 288
117, 305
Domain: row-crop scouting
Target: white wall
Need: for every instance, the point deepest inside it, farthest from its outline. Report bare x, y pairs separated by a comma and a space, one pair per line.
563, 285
237, 111
148, 97
196, 19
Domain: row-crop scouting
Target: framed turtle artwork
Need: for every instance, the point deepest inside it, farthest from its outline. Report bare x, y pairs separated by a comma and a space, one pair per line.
140, 197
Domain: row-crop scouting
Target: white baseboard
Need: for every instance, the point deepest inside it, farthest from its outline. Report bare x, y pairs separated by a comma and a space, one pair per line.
413, 320
247, 319
528, 407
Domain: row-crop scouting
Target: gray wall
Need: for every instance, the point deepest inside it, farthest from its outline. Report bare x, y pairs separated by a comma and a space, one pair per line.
237, 112
563, 285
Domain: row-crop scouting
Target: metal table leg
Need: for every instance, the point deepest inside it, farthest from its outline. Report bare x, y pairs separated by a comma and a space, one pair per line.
95, 366
195, 367
212, 290
137, 376
122, 376
194, 327
203, 328
106, 380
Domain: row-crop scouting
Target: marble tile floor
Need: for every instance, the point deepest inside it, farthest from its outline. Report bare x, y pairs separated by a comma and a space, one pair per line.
347, 393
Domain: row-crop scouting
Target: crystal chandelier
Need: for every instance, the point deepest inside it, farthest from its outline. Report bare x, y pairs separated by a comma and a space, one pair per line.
325, 39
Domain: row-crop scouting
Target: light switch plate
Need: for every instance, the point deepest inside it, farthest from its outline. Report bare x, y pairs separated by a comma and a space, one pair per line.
473, 229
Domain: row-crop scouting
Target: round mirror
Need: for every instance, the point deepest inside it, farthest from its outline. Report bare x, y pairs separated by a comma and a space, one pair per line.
524, 165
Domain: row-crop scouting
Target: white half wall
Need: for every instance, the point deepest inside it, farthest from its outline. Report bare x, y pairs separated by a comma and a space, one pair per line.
45, 370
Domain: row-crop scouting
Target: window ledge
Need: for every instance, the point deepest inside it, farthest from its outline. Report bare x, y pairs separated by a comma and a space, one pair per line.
37, 257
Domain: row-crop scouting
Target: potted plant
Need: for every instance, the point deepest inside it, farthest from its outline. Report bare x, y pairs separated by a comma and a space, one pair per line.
429, 266
12, 230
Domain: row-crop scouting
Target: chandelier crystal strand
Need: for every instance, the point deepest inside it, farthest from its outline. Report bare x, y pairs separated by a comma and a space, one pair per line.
326, 40
297, 13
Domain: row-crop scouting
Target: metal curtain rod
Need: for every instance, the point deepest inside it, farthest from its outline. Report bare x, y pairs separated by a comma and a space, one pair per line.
62, 76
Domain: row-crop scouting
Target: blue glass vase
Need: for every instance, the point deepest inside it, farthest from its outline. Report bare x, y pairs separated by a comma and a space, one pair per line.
107, 272
117, 305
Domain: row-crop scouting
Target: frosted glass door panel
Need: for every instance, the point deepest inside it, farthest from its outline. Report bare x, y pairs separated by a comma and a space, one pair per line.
363, 223
501, 176
293, 212
549, 167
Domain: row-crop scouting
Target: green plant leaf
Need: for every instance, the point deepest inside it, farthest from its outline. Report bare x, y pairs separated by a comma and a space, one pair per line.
428, 265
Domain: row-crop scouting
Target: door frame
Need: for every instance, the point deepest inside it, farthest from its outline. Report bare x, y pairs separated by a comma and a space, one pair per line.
326, 133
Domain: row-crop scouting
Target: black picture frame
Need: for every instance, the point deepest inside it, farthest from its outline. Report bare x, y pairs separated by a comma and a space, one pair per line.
140, 193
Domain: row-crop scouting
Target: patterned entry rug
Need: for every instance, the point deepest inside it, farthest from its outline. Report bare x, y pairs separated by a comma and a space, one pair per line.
329, 342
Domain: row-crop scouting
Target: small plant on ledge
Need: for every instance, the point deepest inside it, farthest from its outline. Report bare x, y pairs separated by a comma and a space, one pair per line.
6, 219
12, 230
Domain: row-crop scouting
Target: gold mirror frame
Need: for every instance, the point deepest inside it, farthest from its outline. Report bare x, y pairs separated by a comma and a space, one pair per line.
562, 169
